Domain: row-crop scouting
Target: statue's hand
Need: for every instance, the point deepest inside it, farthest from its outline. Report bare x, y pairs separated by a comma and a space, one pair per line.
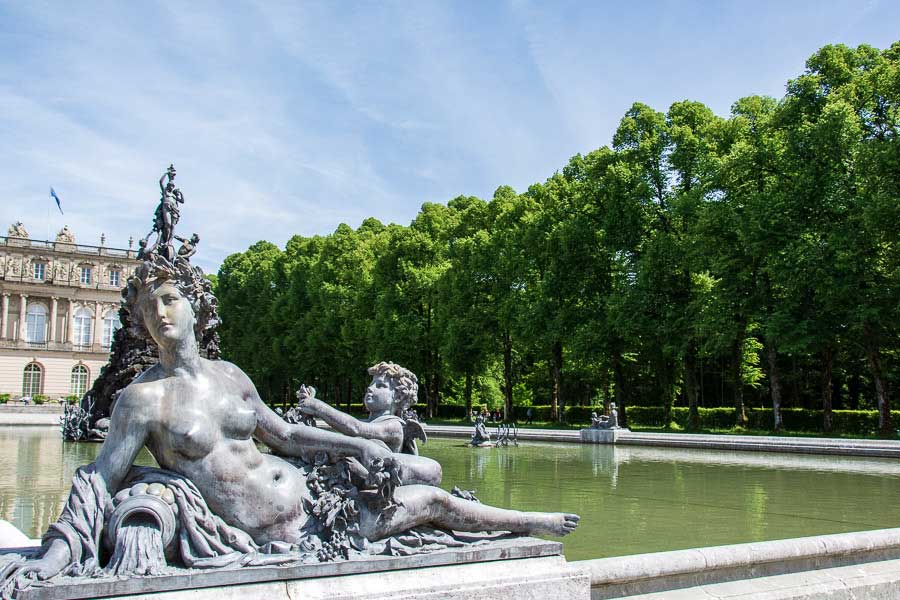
375, 450
306, 400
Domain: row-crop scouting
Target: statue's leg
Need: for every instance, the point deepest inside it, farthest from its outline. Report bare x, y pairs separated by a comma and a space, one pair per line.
419, 469
423, 504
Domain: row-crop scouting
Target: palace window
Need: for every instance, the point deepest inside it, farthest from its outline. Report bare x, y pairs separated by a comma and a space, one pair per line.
40, 270
32, 379
82, 324
110, 325
79, 381
86, 273
114, 277
36, 324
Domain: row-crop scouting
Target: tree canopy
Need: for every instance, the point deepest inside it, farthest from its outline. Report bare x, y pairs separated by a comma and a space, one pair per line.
699, 260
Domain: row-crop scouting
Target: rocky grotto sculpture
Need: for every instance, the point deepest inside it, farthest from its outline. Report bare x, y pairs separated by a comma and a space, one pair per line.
218, 501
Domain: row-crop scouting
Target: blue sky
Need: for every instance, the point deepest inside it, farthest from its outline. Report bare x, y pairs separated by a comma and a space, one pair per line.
293, 117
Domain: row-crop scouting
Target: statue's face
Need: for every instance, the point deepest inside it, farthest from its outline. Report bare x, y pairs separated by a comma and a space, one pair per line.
379, 394
167, 314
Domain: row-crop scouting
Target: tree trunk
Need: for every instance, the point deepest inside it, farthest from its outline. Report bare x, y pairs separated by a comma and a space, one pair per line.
737, 377
349, 394
619, 377
885, 428
468, 393
853, 390
827, 365
507, 375
556, 370
436, 388
690, 387
774, 384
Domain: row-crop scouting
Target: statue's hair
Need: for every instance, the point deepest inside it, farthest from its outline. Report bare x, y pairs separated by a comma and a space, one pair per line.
188, 279
405, 383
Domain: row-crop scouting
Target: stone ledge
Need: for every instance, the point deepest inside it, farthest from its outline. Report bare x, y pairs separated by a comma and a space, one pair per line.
510, 551
878, 581
522, 579
627, 576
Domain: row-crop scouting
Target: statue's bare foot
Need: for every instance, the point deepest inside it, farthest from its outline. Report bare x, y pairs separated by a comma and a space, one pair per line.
558, 524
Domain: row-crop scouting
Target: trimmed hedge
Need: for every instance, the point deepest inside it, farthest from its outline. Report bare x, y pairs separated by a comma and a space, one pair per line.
4, 398
848, 422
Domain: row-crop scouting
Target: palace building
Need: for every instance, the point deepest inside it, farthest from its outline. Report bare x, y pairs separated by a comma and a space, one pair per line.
60, 308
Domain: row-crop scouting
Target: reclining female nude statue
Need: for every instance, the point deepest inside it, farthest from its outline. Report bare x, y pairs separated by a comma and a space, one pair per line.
201, 420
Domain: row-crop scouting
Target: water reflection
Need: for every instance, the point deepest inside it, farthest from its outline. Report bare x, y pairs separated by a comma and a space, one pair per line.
631, 499
642, 499
36, 474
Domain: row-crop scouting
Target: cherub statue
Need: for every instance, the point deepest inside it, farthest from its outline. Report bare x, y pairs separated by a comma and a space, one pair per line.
388, 398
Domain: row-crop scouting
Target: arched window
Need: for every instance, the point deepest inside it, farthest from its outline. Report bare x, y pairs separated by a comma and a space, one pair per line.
79, 380
32, 379
82, 324
36, 323
110, 325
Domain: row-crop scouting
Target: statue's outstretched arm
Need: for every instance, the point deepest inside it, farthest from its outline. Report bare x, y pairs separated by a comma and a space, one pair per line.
299, 440
390, 432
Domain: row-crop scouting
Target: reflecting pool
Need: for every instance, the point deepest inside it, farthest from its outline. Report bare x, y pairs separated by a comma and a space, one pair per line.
631, 499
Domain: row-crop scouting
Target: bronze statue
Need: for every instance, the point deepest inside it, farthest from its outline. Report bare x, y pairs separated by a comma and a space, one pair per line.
165, 218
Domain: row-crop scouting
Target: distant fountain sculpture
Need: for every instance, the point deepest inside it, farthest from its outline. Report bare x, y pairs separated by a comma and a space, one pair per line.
507, 433
610, 421
480, 436
218, 502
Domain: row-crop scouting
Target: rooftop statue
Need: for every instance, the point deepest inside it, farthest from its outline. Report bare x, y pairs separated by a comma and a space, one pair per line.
65, 235
218, 501
17, 230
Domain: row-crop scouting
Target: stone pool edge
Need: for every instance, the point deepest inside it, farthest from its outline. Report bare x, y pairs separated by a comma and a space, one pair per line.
748, 443
858, 565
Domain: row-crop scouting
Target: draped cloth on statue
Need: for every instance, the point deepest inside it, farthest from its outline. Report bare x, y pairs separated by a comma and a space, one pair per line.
103, 542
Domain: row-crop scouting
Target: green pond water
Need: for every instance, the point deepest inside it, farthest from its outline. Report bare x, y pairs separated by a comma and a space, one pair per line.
631, 499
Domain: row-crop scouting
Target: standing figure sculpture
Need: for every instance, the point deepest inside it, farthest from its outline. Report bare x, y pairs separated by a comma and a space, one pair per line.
388, 398
218, 500
165, 218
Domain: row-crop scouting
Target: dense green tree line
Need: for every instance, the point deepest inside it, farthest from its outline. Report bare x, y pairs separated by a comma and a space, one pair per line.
747, 261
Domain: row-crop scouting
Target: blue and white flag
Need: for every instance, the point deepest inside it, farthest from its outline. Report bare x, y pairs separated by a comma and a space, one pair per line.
55, 197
